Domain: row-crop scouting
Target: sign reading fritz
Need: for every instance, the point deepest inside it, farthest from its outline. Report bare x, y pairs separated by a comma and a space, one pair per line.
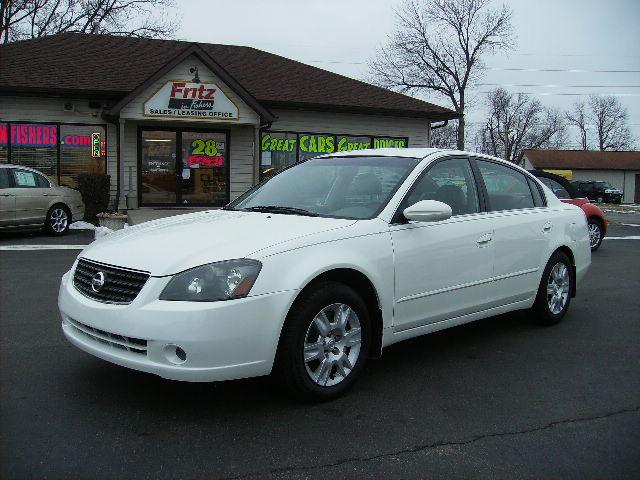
183, 99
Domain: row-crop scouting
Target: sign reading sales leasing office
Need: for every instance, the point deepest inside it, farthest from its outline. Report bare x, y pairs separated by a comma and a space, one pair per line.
183, 99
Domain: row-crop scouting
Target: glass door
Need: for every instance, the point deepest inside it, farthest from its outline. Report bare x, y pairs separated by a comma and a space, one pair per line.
204, 173
158, 182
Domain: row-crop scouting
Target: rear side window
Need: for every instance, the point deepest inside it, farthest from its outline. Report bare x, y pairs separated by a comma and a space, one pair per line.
555, 187
29, 179
507, 188
538, 199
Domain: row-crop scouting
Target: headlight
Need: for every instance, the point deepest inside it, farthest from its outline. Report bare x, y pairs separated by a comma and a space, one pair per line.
213, 282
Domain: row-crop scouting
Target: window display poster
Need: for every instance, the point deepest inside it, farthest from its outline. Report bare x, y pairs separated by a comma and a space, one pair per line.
205, 153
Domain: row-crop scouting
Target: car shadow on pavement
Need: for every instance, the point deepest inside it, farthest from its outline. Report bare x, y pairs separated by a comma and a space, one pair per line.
97, 381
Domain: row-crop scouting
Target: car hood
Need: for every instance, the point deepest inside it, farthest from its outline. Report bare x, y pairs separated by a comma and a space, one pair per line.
173, 244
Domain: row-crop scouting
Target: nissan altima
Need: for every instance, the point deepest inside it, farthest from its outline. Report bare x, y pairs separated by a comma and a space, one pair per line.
322, 266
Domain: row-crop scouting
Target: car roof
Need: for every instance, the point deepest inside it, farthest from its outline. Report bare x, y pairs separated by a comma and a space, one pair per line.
418, 153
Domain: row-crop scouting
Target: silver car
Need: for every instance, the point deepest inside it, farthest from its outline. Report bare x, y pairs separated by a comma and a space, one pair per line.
28, 198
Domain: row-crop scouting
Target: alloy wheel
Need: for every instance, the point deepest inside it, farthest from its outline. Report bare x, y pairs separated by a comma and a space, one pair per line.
58, 220
332, 344
558, 288
594, 234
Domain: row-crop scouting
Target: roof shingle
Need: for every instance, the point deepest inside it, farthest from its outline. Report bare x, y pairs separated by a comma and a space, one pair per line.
106, 65
584, 159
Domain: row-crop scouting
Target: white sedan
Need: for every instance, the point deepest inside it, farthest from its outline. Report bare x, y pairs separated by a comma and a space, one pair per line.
319, 268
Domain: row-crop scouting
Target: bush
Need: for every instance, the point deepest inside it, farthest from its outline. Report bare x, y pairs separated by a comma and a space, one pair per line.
94, 188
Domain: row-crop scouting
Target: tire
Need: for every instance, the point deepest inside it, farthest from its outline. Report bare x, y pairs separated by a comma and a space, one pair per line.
58, 220
548, 311
315, 353
599, 200
595, 233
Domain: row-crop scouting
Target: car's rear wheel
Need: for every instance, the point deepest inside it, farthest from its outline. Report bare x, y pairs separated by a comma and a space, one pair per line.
554, 292
58, 220
595, 233
600, 199
325, 342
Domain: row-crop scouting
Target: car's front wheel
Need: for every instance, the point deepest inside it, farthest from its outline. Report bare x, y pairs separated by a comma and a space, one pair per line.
595, 233
325, 342
554, 292
58, 220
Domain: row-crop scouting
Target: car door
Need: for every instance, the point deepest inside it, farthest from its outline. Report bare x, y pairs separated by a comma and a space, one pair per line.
522, 226
32, 194
442, 269
7, 200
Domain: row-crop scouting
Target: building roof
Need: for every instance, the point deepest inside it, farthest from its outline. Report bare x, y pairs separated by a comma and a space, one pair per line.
583, 159
113, 66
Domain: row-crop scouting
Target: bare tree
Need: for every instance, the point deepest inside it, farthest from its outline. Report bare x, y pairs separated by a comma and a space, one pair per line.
438, 46
22, 19
579, 118
610, 120
445, 136
517, 123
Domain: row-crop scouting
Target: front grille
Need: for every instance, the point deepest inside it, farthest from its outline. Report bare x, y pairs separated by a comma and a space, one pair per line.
133, 345
121, 285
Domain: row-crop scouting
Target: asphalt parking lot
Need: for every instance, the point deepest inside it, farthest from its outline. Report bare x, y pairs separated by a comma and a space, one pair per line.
500, 398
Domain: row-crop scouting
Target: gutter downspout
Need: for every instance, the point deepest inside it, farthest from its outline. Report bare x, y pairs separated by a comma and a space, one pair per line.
435, 127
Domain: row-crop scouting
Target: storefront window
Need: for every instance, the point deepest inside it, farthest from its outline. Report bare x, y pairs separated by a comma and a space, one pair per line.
4, 143
35, 146
279, 150
204, 168
82, 150
312, 145
348, 143
389, 142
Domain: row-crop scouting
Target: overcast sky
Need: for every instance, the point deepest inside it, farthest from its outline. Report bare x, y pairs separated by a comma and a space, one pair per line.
594, 43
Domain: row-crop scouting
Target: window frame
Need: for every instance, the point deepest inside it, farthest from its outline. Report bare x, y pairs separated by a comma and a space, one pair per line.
398, 217
58, 125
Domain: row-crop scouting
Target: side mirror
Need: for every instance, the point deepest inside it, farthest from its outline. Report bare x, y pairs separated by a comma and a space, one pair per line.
428, 211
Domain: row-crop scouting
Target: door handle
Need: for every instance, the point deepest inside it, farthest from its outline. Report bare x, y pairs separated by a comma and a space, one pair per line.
547, 227
484, 239
5, 195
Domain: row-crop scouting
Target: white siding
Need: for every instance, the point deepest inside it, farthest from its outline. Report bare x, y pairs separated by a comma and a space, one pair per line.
40, 109
416, 129
135, 108
630, 192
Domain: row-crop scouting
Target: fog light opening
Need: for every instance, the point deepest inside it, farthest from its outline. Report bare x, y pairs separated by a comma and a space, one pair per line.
175, 354
181, 354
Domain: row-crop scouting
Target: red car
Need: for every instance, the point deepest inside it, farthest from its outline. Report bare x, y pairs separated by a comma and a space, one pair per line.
566, 192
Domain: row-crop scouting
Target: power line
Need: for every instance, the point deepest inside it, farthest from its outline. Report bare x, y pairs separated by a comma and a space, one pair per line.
569, 94
505, 69
553, 85
565, 70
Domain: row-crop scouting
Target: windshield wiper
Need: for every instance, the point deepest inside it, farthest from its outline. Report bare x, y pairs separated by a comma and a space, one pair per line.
281, 209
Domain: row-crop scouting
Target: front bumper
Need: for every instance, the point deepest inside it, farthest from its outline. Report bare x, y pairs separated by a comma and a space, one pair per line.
221, 340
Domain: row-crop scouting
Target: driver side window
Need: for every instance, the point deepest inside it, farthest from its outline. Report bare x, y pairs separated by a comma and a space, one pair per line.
449, 181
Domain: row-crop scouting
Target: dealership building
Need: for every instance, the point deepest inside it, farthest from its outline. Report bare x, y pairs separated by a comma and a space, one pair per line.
181, 124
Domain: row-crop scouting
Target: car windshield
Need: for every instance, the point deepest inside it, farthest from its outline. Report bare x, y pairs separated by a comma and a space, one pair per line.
604, 184
341, 187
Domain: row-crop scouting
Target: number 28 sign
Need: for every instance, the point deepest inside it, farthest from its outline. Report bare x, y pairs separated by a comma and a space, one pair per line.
206, 153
